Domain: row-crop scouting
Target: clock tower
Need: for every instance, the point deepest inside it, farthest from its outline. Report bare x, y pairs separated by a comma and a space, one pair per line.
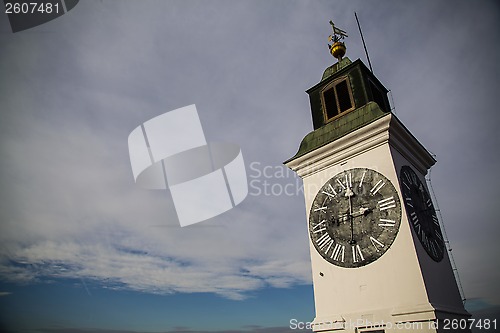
378, 256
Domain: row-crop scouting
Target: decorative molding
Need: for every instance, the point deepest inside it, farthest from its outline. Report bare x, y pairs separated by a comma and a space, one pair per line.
344, 148
387, 129
409, 147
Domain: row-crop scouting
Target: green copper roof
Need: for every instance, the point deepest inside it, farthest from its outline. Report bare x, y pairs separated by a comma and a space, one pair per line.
335, 68
339, 127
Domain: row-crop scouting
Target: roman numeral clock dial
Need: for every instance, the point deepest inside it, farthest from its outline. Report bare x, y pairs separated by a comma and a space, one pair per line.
355, 217
421, 213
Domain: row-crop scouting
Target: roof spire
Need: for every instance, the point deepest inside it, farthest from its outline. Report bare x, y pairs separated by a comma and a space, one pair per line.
337, 49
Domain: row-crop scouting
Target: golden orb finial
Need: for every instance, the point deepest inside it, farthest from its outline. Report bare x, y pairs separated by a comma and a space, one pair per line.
337, 49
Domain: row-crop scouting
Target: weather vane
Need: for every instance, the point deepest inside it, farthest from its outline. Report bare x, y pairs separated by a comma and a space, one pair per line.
337, 49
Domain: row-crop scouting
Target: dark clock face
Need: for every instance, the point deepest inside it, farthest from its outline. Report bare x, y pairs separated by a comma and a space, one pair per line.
421, 213
355, 217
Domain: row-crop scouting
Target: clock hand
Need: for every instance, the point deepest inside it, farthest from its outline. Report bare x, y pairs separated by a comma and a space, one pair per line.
362, 211
349, 193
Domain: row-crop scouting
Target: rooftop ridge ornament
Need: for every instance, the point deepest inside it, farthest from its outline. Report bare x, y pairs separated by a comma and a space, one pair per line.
337, 49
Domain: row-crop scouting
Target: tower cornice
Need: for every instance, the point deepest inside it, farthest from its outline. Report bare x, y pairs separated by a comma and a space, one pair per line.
385, 129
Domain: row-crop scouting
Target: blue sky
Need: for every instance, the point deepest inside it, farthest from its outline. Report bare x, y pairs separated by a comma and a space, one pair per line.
83, 247
68, 304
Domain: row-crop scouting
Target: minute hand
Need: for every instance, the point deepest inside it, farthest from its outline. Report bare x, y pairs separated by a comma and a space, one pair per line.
349, 193
362, 211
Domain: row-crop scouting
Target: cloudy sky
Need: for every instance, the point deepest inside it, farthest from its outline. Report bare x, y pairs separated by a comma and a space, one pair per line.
82, 247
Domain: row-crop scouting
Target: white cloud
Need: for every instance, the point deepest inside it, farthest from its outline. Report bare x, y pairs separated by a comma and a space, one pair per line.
158, 271
76, 213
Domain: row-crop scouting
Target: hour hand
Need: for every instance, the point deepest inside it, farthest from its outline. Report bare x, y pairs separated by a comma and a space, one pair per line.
363, 211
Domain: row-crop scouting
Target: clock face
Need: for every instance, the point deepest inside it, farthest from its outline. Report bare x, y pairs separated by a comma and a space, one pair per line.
421, 213
354, 217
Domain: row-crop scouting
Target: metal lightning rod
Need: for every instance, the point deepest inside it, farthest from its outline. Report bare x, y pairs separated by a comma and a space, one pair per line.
364, 45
